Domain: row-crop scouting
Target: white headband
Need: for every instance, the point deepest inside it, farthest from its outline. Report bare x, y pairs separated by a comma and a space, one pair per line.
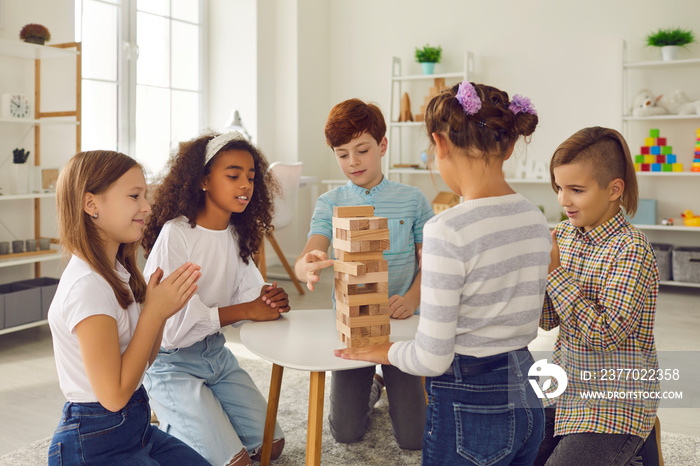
215, 145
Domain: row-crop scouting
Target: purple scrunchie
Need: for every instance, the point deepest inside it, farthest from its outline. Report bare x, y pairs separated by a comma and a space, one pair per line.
520, 103
468, 98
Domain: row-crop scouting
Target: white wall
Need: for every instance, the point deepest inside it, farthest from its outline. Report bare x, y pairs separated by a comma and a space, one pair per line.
564, 55
232, 63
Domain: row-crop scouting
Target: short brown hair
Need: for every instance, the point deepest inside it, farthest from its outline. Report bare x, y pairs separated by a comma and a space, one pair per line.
351, 118
606, 153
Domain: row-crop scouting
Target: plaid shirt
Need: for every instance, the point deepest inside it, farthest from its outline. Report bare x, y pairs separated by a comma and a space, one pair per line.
603, 298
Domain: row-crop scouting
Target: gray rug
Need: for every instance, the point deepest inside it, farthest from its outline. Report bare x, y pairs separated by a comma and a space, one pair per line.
377, 447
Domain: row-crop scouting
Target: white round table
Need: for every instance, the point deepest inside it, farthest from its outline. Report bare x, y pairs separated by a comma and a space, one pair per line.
305, 340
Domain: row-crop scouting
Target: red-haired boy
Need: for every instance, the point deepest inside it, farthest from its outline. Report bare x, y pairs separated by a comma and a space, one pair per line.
356, 132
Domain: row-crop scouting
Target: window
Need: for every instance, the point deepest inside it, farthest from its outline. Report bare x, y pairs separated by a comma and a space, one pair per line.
142, 75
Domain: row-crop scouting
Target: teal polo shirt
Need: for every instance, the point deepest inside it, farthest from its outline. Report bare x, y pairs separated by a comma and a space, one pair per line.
406, 208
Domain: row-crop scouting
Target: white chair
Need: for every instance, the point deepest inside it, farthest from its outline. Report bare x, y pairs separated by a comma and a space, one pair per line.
288, 176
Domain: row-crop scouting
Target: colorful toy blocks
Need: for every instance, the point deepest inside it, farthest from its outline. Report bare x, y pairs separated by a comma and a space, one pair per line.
361, 276
695, 166
656, 156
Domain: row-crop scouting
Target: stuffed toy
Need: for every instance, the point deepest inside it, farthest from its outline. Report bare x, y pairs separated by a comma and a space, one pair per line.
646, 104
679, 103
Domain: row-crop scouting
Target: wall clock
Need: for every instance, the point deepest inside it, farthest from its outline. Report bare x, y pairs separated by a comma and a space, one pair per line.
15, 106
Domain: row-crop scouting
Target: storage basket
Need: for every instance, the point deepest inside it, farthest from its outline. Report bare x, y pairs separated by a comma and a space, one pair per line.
48, 290
663, 254
22, 304
686, 264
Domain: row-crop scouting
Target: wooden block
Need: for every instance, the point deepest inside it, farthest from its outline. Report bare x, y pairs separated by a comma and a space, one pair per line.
439, 82
367, 235
419, 116
346, 288
360, 299
353, 211
341, 317
361, 223
350, 268
369, 277
357, 256
347, 246
406, 165
379, 309
340, 234
375, 287
384, 245
365, 341
367, 321
380, 330
352, 332
351, 311
378, 223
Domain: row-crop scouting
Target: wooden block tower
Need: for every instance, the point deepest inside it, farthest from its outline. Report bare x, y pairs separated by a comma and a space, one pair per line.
361, 276
438, 87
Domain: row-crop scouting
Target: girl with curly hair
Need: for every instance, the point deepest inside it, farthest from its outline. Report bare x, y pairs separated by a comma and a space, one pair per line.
213, 207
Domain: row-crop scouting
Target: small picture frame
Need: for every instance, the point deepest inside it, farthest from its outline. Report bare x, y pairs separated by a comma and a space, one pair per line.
49, 176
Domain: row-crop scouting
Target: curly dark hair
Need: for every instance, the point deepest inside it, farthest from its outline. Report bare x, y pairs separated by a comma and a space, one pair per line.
180, 193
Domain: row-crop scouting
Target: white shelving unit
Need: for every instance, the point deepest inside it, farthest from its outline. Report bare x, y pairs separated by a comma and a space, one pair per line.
403, 135
13, 53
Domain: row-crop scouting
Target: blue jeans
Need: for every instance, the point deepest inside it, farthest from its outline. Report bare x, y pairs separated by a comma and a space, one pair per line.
202, 396
489, 418
90, 434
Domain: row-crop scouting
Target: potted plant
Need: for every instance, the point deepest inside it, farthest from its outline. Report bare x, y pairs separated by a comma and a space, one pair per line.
669, 40
427, 56
20, 181
34, 34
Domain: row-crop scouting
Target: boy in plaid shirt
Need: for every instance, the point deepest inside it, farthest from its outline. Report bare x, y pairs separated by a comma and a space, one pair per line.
601, 292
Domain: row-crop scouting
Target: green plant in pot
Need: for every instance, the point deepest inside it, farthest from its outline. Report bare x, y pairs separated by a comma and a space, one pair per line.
670, 40
34, 34
427, 56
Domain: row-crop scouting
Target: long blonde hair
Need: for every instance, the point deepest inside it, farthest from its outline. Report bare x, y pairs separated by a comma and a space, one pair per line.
94, 172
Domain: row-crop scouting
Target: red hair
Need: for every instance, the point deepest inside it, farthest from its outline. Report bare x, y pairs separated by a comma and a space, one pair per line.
351, 118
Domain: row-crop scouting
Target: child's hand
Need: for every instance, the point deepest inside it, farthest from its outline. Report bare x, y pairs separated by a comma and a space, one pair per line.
313, 263
165, 297
400, 307
554, 254
378, 354
275, 297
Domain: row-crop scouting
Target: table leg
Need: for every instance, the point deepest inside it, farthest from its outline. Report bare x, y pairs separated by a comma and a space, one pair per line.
271, 418
315, 426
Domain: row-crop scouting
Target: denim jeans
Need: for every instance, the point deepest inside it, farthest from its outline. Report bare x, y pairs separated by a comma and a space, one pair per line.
349, 410
90, 434
586, 448
490, 418
202, 396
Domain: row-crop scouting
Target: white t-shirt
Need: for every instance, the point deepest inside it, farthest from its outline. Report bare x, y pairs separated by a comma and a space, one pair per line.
225, 279
82, 293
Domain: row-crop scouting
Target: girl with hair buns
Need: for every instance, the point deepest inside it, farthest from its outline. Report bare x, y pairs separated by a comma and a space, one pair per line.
484, 271
214, 207
106, 323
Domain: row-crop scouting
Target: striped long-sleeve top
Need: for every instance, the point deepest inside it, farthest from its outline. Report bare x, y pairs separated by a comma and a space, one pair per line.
603, 298
484, 274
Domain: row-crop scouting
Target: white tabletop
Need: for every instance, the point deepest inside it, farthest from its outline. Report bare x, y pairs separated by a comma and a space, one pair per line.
305, 340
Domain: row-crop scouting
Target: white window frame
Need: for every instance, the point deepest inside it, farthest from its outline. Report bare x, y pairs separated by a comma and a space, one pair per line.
127, 56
